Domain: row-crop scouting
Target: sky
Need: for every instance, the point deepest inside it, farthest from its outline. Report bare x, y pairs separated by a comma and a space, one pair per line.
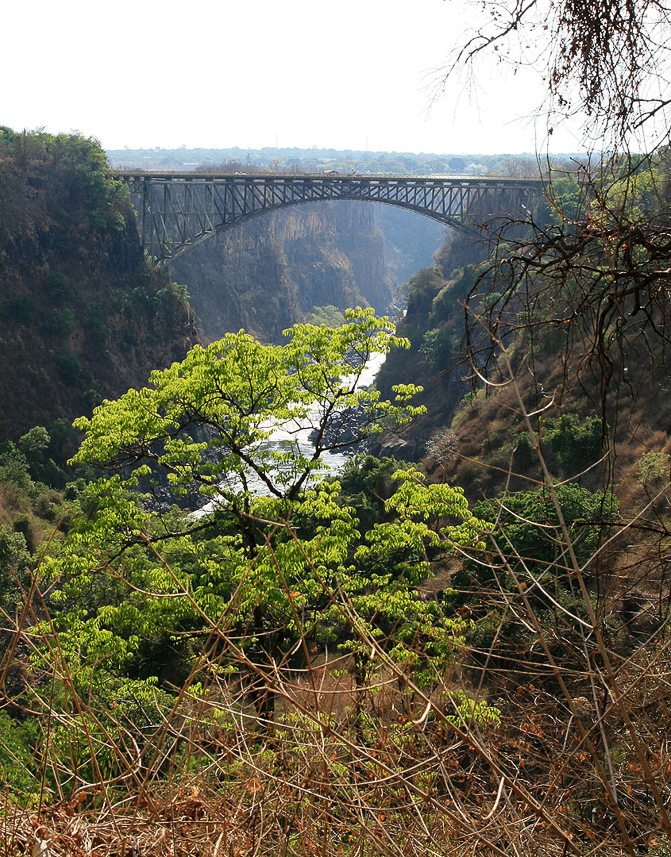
356, 74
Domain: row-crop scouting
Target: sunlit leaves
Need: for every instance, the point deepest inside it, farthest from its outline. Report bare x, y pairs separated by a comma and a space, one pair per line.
270, 568
427, 517
231, 396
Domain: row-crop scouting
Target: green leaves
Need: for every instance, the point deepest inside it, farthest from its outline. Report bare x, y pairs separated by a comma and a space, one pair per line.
427, 517
203, 422
272, 568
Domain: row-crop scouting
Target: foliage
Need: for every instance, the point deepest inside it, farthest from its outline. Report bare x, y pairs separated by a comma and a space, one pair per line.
329, 315
69, 365
386, 689
366, 485
422, 289
70, 250
72, 153
436, 347
230, 396
16, 758
14, 464
20, 309
158, 580
653, 466
576, 445
528, 525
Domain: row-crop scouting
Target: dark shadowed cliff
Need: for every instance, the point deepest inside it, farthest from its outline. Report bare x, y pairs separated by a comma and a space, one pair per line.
270, 272
81, 317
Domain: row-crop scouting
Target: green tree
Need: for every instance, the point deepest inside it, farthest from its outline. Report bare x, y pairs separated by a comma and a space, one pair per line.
204, 423
272, 556
529, 530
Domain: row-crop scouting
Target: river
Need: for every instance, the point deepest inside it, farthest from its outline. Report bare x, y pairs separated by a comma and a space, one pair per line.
299, 435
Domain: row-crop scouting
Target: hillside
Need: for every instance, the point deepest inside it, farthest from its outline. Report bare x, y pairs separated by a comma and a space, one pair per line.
82, 317
433, 322
601, 390
401, 660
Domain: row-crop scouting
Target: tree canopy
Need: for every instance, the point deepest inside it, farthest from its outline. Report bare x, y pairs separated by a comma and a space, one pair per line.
272, 551
205, 422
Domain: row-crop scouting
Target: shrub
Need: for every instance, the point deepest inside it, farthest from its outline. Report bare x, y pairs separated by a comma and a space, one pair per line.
528, 525
59, 324
437, 347
68, 364
20, 309
57, 285
653, 466
575, 444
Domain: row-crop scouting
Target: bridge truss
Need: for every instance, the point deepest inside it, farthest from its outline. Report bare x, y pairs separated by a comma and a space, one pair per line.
178, 211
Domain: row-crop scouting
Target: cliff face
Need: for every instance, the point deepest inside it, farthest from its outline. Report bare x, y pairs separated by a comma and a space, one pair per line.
269, 273
81, 318
410, 240
434, 324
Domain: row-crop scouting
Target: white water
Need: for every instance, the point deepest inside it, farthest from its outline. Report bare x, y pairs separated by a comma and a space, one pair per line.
298, 434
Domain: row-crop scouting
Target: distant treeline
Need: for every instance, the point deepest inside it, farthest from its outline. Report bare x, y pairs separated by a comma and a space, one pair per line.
320, 160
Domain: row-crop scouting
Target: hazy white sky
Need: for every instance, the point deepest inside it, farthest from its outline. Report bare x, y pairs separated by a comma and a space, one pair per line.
352, 74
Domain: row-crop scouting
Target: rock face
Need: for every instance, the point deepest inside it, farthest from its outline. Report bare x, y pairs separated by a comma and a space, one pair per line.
269, 273
434, 325
81, 317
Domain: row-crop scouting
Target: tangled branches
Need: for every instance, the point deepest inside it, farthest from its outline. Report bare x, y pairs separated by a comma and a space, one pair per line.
603, 59
590, 281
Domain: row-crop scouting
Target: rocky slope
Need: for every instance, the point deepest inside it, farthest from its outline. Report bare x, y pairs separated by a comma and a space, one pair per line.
434, 324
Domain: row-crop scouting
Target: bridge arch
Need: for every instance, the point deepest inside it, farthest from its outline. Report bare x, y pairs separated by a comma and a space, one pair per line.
178, 211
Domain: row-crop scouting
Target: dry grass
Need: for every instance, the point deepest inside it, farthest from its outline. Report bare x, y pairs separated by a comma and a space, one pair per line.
580, 762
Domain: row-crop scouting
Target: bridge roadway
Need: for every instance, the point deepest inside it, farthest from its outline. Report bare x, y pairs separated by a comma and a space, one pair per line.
179, 210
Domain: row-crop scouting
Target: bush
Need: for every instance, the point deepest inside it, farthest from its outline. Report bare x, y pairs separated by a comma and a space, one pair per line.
437, 347
69, 367
24, 525
653, 466
57, 285
60, 324
20, 309
16, 759
528, 525
13, 467
576, 445
329, 315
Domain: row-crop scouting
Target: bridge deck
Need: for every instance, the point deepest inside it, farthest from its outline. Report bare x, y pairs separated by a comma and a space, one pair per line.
176, 175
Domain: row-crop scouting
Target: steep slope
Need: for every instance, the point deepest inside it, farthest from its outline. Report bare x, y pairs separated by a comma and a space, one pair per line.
270, 272
434, 324
410, 240
81, 317
594, 389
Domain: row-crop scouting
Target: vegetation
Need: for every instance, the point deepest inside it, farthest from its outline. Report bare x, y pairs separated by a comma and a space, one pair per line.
291, 647
294, 160
224, 650
141, 615
81, 316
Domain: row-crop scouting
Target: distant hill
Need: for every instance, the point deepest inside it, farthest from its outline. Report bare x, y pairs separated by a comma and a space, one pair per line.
312, 160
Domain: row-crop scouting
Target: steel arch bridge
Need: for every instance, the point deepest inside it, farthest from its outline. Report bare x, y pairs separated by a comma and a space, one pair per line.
177, 211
